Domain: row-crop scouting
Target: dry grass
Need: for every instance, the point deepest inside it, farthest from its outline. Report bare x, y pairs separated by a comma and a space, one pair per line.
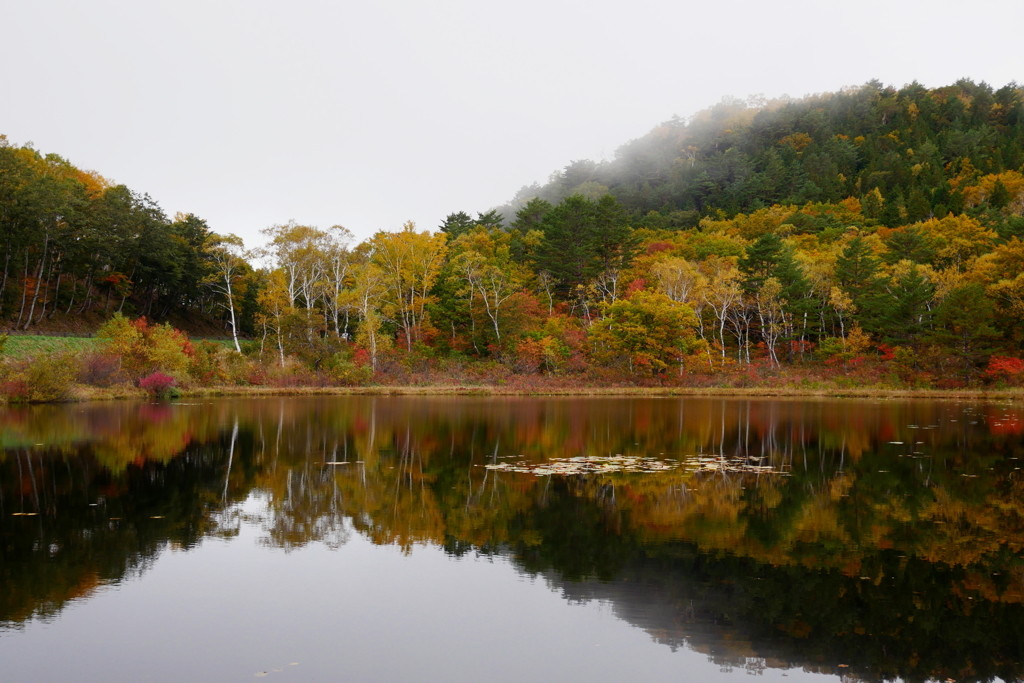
778, 385
462, 390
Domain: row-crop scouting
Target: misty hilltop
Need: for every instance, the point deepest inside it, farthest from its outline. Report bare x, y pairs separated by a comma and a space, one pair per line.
911, 144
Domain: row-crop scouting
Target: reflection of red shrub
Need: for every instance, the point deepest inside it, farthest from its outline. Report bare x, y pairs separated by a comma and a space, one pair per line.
158, 384
1004, 424
155, 413
886, 431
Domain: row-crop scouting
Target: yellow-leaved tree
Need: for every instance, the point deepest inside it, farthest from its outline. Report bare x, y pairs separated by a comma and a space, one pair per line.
409, 263
960, 239
368, 294
484, 262
649, 330
275, 307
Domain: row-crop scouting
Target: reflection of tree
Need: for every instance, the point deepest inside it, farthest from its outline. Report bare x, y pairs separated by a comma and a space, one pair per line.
861, 551
93, 528
744, 613
115, 435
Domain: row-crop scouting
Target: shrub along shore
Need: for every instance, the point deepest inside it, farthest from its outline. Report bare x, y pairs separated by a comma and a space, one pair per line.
134, 359
84, 393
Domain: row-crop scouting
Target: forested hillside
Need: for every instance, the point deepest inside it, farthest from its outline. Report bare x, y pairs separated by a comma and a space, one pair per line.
868, 236
76, 245
916, 146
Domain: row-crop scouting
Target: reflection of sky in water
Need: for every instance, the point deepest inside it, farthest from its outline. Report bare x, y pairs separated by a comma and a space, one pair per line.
870, 533
227, 610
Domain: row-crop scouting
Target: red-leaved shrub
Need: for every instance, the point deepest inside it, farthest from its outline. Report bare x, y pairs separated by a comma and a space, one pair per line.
158, 385
1005, 368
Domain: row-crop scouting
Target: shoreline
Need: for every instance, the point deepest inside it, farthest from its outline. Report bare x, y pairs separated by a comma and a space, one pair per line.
85, 393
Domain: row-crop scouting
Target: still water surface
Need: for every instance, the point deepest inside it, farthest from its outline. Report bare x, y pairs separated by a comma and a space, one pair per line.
211, 541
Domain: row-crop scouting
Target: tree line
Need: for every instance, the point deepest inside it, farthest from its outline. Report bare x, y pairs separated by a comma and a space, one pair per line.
74, 243
893, 242
567, 286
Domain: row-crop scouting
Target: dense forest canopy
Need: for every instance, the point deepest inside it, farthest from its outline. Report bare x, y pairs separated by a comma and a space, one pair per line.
874, 225
73, 241
916, 146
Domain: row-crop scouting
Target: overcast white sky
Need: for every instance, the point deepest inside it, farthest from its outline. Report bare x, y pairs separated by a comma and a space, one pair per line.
250, 113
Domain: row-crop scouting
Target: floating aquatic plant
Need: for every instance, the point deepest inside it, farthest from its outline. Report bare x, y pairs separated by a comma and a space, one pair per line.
587, 465
625, 463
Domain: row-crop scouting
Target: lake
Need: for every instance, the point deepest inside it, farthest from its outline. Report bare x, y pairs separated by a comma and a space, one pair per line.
512, 539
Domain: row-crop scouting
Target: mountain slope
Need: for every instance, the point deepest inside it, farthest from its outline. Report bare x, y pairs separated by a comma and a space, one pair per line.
915, 145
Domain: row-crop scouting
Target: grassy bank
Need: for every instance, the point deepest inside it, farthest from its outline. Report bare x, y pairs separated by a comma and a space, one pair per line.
28, 345
135, 360
24, 346
88, 393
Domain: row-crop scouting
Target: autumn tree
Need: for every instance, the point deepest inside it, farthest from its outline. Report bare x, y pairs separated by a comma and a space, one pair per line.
275, 308
369, 294
723, 294
648, 329
337, 282
409, 262
227, 256
484, 261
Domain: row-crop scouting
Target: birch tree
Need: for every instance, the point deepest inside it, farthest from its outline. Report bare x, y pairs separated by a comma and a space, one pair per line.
723, 292
228, 256
369, 293
336, 285
409, 262
485, 262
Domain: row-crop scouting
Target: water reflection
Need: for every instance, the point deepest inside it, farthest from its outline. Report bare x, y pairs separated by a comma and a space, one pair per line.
888, 532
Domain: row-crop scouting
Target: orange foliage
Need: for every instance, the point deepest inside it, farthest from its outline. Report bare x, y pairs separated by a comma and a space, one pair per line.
982, 190
798, 141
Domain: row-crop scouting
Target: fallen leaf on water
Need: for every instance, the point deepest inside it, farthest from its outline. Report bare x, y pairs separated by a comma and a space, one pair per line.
261, 674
